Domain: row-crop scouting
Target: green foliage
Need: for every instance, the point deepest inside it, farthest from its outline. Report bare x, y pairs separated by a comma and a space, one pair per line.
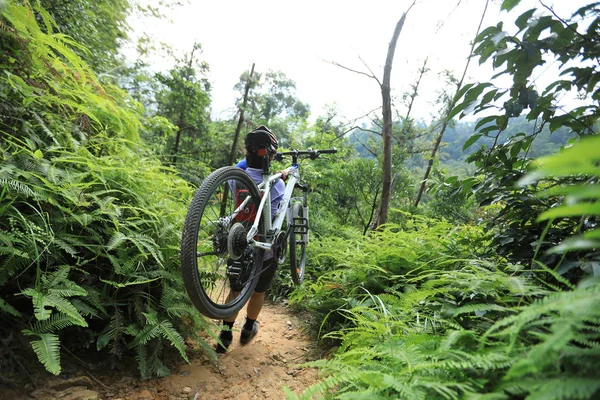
183, 98
581, 196
47, 349
350, 267
448, 325
272, 102
89, 234
99, 26
522, 53
462, 326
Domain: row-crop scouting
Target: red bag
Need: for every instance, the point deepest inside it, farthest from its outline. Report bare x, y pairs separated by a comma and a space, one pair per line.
248, 213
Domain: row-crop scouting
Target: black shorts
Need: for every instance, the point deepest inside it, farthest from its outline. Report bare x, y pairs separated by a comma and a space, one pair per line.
266, 276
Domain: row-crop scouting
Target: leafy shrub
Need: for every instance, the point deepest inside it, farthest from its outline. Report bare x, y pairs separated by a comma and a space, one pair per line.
350, 268
481, 329
89, 234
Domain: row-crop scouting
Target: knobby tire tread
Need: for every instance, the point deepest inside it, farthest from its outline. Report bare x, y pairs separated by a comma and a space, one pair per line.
189, 240
297, 264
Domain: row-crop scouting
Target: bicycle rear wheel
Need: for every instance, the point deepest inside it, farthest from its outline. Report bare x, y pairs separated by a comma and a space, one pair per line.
298, 231
220, 269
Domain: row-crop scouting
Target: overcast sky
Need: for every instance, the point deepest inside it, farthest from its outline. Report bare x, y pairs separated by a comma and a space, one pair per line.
299, 38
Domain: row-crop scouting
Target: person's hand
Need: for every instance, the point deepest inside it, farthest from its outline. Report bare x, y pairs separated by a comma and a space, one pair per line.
284, 174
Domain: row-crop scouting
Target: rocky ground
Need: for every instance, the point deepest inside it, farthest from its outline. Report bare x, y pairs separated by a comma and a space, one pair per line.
258, 370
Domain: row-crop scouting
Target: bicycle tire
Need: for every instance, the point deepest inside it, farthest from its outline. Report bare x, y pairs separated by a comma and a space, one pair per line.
298, 231
220, 270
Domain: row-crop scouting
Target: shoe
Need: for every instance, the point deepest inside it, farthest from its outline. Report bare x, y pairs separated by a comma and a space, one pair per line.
248, 334
223, 344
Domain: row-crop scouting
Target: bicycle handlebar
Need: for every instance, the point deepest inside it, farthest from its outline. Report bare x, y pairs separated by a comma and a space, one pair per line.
312, 154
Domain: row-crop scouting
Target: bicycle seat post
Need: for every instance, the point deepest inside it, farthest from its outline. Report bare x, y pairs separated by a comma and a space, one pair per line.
266, 161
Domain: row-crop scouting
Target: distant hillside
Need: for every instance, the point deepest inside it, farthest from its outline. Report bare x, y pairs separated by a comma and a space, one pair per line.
452, 156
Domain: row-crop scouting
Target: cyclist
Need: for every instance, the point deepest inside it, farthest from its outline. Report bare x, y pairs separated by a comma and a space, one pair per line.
259, 138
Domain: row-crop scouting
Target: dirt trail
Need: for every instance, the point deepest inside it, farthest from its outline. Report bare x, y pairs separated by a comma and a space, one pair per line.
257, 370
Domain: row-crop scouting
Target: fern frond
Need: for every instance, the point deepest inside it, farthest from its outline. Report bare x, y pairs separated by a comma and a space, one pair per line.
557, 388
66, 247
7, 308
66, 307
85, 308
18, 187
170, 333
39, 304
47, 349
147, 333
478, 309
56, 322
141, 355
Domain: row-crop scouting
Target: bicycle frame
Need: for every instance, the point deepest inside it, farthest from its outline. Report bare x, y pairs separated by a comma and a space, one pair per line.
272, 227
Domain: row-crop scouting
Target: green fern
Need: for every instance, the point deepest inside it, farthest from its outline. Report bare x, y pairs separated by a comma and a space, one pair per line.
154, 329
47, 349
56, 322
7, 308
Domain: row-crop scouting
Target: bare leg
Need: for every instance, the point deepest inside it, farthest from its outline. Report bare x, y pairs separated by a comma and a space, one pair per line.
255, 305
232, 295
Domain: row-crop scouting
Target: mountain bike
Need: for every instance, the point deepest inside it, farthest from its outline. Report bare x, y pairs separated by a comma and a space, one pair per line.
228, 229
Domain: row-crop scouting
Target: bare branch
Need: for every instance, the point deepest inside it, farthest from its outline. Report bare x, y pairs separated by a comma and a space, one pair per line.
440, 26
351, 70
363, 116
367, 67
365, 147
365, 130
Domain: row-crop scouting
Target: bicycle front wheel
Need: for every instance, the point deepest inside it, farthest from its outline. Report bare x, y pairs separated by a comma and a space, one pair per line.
220, 269
298, 231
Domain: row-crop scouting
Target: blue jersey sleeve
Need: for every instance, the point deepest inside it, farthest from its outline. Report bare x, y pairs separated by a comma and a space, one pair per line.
242, 164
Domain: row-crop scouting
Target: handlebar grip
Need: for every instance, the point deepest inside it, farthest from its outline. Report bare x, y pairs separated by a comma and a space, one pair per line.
329, 151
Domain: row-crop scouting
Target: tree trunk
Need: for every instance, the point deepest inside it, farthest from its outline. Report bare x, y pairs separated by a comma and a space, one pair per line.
177, 139
436, 147
384, 205
451, 105
180, 122
238, 129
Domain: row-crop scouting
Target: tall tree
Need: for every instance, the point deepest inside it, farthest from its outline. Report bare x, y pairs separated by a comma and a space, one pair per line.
184, 99
386, 184
272, 101
242, 110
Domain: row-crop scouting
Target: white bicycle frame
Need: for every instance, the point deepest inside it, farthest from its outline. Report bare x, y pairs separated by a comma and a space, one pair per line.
272, 227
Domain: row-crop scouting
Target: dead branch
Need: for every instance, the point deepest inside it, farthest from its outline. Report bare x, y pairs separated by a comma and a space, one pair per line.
367, 67
351, 70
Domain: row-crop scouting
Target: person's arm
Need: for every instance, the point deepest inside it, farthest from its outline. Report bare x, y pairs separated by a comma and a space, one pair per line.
242, 164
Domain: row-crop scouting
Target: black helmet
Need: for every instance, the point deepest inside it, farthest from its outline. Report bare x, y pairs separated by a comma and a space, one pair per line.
262, 138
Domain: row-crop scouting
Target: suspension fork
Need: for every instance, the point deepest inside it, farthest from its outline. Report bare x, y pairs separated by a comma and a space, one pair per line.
301, 225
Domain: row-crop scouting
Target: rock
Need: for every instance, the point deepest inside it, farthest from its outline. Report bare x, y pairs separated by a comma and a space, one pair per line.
81, 381
243, 396
144, 394
186, 390
79, 394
